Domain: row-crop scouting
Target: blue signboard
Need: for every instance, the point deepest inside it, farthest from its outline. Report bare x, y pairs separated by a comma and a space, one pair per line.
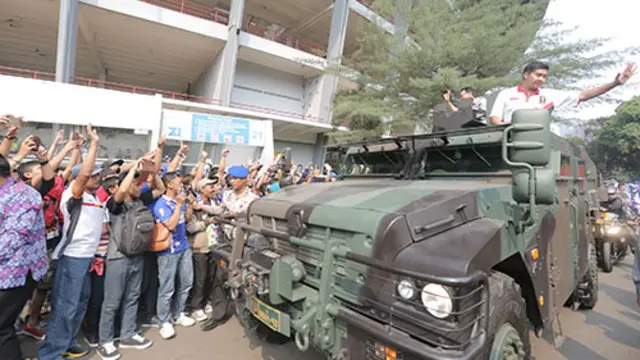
220, 129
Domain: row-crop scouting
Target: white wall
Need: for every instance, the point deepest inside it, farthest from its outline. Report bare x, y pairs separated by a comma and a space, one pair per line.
163, 16
312, 95
209, 83
57, 103
267, 88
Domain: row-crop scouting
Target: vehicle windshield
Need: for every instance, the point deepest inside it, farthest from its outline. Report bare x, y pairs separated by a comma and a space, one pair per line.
468, 153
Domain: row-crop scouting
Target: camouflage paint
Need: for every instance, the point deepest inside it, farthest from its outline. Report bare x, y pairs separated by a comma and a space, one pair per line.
383, 217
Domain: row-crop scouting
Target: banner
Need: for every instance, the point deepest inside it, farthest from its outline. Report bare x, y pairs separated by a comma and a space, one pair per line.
210, 128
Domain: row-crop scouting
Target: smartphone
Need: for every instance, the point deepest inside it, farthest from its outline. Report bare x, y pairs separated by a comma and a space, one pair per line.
75, 136
147, 166
36, 140
14, 120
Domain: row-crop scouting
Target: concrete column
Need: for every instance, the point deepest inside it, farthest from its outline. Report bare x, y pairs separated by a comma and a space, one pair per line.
401, 24
319, 149
230, 52
67, 40
337, 35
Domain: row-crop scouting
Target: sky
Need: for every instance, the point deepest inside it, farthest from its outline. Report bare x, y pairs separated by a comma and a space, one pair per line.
614, 19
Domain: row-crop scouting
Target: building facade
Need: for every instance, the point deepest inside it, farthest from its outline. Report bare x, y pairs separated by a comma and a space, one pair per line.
212, 73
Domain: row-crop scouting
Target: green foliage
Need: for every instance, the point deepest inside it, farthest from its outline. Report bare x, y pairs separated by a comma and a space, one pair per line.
478, 43
615, 145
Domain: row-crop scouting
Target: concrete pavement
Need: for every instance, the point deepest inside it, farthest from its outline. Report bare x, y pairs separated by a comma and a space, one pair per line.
610, 331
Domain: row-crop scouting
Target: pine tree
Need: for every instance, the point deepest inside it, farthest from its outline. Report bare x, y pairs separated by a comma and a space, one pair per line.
453, 43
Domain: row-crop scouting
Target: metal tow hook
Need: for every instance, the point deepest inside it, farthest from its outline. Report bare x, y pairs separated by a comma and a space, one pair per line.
302, 341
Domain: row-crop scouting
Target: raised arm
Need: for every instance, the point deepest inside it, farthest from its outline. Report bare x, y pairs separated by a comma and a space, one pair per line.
79, 185
620, 79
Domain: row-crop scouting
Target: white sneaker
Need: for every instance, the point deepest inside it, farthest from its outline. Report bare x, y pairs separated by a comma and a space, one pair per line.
185, 321
167, 331
208, 309
199, 315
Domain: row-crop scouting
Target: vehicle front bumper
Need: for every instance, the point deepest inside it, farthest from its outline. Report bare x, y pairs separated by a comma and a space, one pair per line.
361, 329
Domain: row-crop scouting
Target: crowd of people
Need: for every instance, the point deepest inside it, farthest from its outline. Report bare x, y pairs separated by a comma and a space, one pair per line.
106, 250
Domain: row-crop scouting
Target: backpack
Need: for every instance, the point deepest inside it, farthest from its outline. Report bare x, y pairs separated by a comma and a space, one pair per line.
132, 232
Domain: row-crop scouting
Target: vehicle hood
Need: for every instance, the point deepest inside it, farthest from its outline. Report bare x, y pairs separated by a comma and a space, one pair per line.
370, 206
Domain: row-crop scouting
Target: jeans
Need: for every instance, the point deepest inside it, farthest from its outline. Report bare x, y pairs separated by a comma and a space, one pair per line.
92, 318
175, 277
635, 273
122, 288
149, 288
11, 303
204, 270
71, 292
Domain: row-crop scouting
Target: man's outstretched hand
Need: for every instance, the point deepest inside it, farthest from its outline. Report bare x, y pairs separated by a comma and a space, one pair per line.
626, 74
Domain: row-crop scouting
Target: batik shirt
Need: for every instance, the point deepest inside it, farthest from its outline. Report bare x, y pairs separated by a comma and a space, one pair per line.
23, 246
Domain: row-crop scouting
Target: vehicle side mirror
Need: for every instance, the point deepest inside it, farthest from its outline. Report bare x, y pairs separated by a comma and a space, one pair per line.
545, 186
530, 137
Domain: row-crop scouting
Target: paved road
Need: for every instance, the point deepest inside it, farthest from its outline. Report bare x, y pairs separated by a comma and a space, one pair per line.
610, 331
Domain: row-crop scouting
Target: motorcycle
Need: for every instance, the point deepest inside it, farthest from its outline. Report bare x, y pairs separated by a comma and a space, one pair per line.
612, 238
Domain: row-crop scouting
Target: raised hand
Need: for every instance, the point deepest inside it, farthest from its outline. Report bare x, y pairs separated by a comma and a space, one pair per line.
162, 142
59, 139
4, 122
626, 74
42, 154
93, 135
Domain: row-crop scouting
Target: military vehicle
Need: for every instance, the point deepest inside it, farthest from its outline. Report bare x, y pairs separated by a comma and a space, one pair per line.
448, 245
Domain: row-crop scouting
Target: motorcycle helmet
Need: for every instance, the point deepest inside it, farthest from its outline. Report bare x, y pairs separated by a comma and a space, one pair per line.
611, 191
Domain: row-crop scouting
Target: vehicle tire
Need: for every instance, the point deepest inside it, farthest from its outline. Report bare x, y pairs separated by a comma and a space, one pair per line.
624, 250
508, 323
590, 293
607, 260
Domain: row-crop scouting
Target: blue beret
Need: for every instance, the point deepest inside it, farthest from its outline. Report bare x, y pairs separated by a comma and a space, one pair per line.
239, 172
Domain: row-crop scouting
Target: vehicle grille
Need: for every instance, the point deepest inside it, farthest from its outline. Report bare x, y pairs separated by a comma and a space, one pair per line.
378, 298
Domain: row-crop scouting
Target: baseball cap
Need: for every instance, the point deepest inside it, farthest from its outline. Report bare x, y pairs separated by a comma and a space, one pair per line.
76, 170
108, 174
112, 162
238, 172
207, 181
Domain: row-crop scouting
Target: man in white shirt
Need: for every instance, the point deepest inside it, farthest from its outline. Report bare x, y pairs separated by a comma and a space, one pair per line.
84, 214
529, 94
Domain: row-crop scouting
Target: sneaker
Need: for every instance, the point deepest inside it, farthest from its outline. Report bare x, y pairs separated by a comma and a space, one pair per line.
208, 309
109, 351
153, 323
136, 342
199, 315
33, 332
185, 321
167, 331
92, 340
76, 351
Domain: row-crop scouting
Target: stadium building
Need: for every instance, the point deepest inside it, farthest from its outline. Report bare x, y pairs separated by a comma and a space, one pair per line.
212, 73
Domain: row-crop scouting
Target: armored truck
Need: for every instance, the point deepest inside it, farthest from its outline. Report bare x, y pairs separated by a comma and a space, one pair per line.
448, 245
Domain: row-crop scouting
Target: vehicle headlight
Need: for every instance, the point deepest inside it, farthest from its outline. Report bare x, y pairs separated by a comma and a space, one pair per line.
437, 300
407, 289
612, 230
610, 216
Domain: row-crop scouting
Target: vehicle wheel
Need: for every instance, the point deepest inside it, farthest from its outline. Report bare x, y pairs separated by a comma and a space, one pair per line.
607, 260
508, 322
589, 285
624, 250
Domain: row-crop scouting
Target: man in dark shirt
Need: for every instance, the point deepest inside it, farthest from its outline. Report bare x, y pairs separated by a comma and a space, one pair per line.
124, 273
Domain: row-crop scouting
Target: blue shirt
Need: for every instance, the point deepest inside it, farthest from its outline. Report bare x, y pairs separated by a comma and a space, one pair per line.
162, 211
